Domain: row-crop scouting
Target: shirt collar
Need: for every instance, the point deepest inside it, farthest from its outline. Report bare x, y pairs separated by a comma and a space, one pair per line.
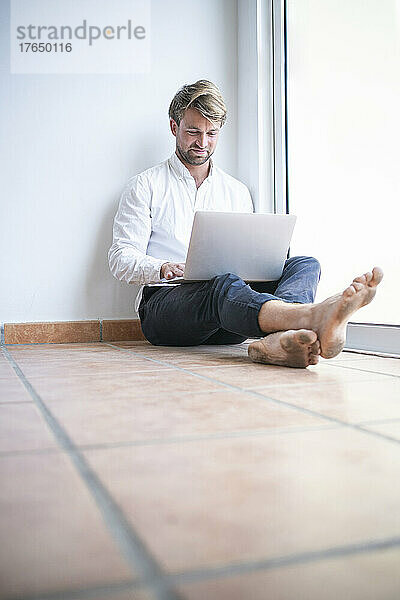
182, 171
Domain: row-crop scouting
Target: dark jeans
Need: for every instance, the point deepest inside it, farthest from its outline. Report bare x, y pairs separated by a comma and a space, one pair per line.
223, 310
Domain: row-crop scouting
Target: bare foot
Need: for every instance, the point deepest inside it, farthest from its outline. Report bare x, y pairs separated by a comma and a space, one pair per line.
293, 348
329, 318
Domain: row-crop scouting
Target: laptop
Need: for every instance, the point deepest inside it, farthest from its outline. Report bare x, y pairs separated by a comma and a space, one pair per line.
254, 246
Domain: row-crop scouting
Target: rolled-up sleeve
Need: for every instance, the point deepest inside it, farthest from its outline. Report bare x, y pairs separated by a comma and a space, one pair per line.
131, 233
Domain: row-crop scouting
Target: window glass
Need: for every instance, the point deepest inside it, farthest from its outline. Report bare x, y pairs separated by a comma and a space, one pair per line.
343, 143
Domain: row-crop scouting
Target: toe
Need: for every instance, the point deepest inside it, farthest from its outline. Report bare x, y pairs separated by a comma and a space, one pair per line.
313, 360
315, 348
377, 276
305, 336
350, 291
360, 279
256, 352
368, 276
358, 286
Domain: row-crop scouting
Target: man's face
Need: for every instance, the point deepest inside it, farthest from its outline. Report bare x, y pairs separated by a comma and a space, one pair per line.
196, 137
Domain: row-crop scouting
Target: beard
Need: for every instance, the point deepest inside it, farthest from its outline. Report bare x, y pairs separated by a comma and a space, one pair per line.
192, 158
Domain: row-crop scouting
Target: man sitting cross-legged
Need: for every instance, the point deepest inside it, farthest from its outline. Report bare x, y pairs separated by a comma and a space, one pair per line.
150, 241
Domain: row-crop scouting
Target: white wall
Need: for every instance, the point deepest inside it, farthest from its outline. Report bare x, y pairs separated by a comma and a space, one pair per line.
70, 142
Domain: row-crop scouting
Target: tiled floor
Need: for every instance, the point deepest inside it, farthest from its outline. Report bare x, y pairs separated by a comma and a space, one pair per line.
134, 472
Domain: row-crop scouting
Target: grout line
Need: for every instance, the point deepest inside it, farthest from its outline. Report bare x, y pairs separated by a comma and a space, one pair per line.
208, 437
177, 367
78, 593
132, 548
363, 370
174, 440
379, 421
85, 376
12, 402
391, 438
30, 452
50, 344
373, 324
219, 366
166, 441
228, 570
307, 385
371, 353
189, 439
307, 411
283, 561
342, 361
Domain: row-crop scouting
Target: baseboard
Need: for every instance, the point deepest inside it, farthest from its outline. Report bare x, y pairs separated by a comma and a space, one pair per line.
63, 332
360, 336
373, 337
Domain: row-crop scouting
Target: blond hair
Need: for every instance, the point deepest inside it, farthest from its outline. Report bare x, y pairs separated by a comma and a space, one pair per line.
204, 96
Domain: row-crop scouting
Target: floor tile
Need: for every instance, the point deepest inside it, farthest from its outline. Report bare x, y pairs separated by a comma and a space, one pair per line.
388, 366
23, 428
147, 418
134, 594
141, 384
41, 355
59, 351
207, 360
77, 368
134, 344
22, 358
145, 345
345, 356
270, 481
213, 502
78, 346
349, 401
255, 376
105, 353
86, 389
183, 351
391, 429
201, 356
369, 576
6, 370
13, 390
56, 539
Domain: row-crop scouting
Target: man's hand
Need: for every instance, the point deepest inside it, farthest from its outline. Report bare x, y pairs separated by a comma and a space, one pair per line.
170, 270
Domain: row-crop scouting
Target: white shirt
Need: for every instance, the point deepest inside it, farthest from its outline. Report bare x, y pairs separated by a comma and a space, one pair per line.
155, 216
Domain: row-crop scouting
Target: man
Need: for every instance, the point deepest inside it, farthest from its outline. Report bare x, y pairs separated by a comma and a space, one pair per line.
151, 236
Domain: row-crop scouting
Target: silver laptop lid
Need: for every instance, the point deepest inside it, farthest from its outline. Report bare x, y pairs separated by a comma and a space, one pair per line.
252, 245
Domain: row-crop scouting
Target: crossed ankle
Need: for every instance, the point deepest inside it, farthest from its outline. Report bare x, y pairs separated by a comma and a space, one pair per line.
277, 315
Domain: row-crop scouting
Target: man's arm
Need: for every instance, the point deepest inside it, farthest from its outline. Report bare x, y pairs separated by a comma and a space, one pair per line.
131, 233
